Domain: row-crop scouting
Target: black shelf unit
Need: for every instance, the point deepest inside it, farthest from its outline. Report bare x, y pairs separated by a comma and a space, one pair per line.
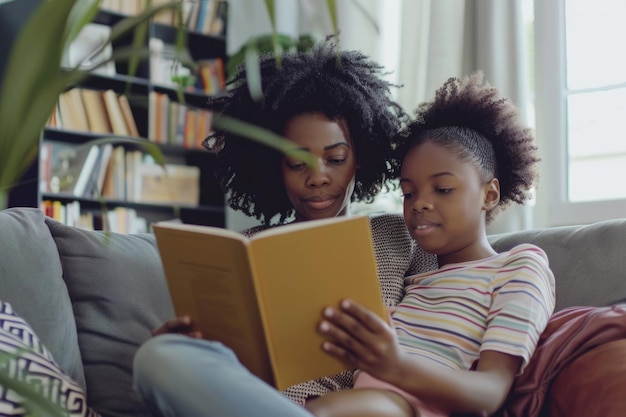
210, 209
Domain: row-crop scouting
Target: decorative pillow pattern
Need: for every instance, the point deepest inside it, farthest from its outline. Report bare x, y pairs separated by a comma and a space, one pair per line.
36, 366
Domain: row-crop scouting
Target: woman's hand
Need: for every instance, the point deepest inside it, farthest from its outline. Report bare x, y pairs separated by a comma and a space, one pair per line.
360, 339
179, 325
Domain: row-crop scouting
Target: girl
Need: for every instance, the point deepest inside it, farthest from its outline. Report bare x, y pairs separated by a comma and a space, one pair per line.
463, 332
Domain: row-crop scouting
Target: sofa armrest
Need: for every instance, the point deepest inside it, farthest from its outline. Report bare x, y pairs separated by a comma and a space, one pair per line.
31, 279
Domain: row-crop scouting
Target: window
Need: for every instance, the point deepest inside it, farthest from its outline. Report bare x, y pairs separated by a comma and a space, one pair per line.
581, 108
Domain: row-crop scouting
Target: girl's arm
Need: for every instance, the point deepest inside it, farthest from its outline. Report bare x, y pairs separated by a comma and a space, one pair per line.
362, 340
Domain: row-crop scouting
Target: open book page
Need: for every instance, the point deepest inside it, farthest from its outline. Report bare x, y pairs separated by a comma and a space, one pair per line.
298, 274
209, 279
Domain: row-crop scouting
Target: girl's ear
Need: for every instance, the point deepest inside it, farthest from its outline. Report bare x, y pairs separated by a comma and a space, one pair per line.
492, 194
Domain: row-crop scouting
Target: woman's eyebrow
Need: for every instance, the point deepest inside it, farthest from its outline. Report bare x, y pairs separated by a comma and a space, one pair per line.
334, 145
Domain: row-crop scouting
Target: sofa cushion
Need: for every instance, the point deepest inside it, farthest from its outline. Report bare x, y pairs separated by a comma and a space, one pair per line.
31, 281
588, 261
569, 335
576, 392
34, 367
119, 295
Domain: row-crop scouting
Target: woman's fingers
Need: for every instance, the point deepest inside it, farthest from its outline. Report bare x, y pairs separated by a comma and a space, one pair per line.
180, 325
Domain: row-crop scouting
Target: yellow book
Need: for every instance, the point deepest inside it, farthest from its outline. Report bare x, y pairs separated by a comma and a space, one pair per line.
263, 296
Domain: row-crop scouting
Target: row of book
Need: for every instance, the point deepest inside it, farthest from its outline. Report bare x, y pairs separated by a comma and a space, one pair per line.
116, 173
204, 16
96, 111
174, 123
116, 220
105, 112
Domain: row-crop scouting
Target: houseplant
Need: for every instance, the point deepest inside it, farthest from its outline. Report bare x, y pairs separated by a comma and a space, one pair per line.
32, 82
34, 78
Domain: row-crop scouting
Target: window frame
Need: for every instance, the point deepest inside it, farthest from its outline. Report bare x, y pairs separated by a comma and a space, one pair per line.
551, 123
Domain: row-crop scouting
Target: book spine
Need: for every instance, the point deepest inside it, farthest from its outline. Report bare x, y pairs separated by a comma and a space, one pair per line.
116, 116
86, 172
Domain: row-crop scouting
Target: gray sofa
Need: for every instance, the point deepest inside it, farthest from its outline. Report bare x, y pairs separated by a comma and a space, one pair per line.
93, 298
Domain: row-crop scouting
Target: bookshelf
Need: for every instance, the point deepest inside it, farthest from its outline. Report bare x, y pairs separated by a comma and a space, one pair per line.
152, 107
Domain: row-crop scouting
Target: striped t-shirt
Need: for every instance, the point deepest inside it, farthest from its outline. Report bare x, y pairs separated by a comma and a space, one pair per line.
501, 303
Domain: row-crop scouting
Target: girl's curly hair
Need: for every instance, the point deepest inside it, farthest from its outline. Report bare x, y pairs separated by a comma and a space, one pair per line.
340, 84
473, 120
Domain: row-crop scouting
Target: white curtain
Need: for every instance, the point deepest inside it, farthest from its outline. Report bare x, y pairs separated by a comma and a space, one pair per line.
438, 39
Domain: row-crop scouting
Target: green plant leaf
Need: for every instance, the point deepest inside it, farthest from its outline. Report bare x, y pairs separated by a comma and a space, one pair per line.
263, 136
29, 89
82, 13
270, 6
265, 44
25, 77
253, 72
145, 145
332, 10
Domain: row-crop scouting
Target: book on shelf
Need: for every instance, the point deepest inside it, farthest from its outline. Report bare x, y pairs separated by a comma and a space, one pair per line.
72, 111
191, 125
127, 112
86, 174
176, 123
217, 23
158, 116
95, 109
206, 11
134, 158
119, 172
70, 167
179, 184
114, 111
45, 166
114, 183
263, 296
211, 78
103, 164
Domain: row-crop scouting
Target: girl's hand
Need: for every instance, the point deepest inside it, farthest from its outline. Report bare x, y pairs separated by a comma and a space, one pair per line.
360, 339
179, 325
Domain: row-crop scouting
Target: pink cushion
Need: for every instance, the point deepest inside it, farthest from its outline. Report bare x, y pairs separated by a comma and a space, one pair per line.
592, 385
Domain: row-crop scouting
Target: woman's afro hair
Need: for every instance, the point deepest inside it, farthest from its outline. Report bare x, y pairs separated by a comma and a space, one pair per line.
340, 84
487, 126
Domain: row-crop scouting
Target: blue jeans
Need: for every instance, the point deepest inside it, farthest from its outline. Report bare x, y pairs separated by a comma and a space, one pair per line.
179, 376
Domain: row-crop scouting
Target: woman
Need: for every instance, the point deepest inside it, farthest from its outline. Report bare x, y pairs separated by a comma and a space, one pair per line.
335, 105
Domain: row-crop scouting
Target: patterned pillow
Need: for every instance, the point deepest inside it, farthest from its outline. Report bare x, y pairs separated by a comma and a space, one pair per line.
35, 366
